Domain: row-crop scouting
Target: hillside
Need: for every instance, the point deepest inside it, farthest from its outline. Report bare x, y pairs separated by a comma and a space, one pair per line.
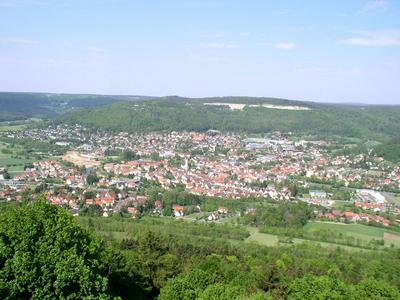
19, 106
253, 115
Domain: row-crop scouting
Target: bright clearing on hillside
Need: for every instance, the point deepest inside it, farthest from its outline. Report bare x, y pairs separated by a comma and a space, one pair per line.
240, 106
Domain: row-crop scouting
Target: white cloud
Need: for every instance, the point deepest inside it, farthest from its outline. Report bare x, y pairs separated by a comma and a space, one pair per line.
374, 5
375, 38
214, 45
285, 46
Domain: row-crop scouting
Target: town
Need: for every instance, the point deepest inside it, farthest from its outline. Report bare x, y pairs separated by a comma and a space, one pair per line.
200, 150
109, 171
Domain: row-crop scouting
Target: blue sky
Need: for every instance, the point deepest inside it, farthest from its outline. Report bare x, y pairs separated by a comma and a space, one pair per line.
331, 51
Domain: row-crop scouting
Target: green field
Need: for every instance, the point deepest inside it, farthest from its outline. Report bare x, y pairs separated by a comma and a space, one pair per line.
120, 228
12, 127
15, 163
357, 231
18, 125
262, 238
196, 216
124, 228
272, 240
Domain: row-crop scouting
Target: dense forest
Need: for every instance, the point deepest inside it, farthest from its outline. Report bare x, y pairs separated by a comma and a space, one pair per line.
145, 114
390, 150
21, 106
46, 254
376, 122
132, 113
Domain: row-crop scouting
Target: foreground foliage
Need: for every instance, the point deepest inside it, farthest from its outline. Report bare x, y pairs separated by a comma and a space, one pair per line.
45, 254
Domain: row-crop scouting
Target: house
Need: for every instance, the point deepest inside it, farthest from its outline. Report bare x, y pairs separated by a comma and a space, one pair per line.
106, 198
329, 216
352, 217
213, 217
249, 210
223, 210
178, 210
158, 210
105, 213
141, 200
133, 211
318, 194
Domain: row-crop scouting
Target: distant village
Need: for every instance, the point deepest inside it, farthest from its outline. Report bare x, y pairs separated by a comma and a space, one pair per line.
106, 172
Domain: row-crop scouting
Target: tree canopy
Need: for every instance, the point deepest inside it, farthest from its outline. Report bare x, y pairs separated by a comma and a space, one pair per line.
187, 114
44, 254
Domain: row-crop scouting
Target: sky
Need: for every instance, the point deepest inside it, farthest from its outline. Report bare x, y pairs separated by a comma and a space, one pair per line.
325, 51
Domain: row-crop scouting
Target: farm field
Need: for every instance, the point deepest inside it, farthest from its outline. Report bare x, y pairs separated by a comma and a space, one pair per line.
357, 231
272, 240
120, 228
15, 163
125, 228
18, 125
12, 127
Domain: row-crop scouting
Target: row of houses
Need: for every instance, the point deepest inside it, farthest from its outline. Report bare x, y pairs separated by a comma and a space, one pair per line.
354, 217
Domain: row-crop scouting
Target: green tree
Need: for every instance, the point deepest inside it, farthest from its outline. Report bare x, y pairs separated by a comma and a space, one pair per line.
129, 155
45, 255
375, 290
92, 179
186, 286
154, 261
220, 291
6, 175
317, 288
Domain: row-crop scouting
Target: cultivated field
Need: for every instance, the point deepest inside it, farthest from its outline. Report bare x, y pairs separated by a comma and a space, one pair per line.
15, 163
357, 231
12, 127
272, 240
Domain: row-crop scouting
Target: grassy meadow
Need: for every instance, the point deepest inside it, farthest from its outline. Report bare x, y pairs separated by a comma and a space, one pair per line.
121, 228
357, 231
14, 158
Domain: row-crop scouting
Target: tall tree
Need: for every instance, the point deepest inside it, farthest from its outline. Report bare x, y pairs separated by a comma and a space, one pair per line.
45, 255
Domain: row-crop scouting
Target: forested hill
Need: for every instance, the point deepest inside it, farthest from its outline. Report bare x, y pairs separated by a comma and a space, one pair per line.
19, 106
257, 116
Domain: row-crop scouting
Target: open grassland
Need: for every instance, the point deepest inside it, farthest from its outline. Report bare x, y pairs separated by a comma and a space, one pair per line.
18, 125
121, 228
272, 240
126, 227
356, 231
12, 127
262, 238
13, 159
